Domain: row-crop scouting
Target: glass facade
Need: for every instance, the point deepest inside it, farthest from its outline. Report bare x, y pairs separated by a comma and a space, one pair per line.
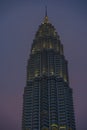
47, 99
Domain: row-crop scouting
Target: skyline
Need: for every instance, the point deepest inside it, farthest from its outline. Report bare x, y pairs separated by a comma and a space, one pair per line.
17, 32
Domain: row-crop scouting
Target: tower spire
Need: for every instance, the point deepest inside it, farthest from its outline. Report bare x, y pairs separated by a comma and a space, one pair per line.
46, 17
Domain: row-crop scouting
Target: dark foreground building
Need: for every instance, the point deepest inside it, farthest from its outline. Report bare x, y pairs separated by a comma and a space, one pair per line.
47, 99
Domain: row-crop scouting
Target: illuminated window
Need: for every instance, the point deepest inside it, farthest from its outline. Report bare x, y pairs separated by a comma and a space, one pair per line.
36, 73
65, 79
62, 128
54, 127
54, 33
33, 50
51, 71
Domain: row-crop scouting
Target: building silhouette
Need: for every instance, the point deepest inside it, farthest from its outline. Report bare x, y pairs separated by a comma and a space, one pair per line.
47, 99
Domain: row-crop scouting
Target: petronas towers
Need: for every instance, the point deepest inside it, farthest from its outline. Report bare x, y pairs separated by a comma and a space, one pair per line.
47, 99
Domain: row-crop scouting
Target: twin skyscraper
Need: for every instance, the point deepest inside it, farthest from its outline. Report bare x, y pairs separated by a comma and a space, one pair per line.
47, 99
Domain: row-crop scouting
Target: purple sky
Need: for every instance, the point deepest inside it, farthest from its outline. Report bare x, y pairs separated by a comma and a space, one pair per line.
19, 20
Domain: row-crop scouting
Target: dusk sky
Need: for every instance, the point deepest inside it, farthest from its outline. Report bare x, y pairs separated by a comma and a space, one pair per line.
19, 21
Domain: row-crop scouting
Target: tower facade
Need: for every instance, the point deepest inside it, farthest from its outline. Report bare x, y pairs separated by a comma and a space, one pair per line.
47, 99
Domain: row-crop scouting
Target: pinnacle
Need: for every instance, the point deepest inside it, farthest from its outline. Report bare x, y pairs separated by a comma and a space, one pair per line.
46, 17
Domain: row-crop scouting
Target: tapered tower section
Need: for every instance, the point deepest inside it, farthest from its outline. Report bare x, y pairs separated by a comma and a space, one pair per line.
47, 99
